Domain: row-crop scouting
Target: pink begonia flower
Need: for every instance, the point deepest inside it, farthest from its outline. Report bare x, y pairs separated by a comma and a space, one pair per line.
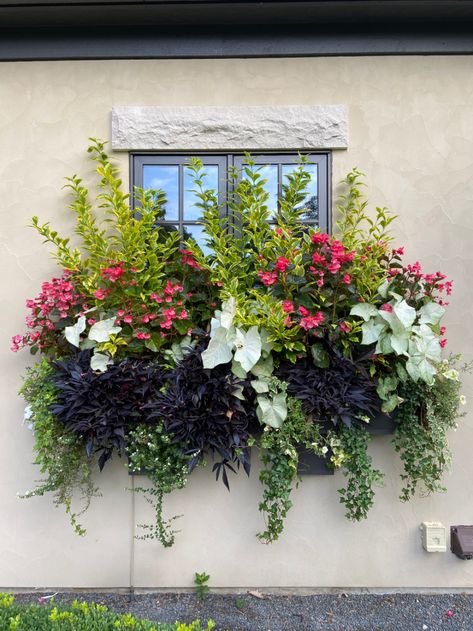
143, 336
282, 264
443, 343
386, 307
311, 322
100, 294
345, 327
320, 237
303, 311
268, 278
287, 306
128, 319
346, 279
443, 330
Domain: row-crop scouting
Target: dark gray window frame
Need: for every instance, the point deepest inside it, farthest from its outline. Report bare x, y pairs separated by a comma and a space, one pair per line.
227, 161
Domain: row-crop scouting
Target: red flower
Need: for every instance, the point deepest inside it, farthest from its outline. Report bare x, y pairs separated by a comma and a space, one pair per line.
334, 266
346, 279
443, 343
143, 336
443, 330
398, 251
287, 306
318, 259
128, 319
345, 327
303, 311
282, 264
386, 307
100, 294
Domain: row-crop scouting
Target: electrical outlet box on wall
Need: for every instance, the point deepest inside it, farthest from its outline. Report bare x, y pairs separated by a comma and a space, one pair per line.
434, 536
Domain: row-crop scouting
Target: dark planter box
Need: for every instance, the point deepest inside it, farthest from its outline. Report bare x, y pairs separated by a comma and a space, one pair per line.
310, 464
382, 424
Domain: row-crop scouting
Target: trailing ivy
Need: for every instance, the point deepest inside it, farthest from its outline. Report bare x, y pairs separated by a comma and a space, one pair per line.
151, 450
358, 494
59, 453
421, 439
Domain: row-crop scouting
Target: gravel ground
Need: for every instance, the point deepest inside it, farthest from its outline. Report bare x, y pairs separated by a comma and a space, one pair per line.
338, 612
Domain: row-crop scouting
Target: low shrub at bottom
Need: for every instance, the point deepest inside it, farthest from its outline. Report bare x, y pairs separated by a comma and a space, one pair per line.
80, 616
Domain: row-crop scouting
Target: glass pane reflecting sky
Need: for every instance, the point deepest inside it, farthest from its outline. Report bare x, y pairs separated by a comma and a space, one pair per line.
191, 211
166, 178
311, 199
197, 232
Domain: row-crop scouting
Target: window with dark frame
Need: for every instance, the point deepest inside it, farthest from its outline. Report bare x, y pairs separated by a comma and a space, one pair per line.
171, 173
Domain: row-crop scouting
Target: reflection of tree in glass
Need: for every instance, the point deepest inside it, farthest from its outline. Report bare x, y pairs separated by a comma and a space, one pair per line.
311, 209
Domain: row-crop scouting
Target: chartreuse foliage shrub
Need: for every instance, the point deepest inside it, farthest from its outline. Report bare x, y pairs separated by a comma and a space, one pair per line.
80, 616
279, 338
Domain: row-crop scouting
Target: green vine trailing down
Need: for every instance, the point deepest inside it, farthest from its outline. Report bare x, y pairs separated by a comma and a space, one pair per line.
59, 454
278, 337
421, 437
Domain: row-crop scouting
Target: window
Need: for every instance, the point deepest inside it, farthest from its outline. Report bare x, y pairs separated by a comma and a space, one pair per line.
171, 174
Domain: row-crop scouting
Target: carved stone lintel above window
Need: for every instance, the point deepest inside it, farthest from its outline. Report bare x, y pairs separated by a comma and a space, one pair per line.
239, 128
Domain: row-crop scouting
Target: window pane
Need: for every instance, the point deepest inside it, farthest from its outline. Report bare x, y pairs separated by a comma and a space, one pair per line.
270, 173
311, 202
166, 178
191, 211
196, 232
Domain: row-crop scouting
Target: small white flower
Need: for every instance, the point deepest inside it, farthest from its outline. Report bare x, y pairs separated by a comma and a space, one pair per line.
28, 413
462, 399
324, 450
451, 374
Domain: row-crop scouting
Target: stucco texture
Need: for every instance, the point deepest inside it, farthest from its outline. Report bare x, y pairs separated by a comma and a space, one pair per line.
411, 132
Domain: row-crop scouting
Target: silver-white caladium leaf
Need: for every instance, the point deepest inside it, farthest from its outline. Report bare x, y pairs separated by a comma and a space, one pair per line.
400, 343
383, 347
219, 351
405, 314
264, 367
371, 331
260, 386
272, 411
431, 313
72, 333
425, 342
103, 329
383, 289
266, 345
100, 361
238, 393
364, 310
228, 312
420, 368
248, 347
237, 370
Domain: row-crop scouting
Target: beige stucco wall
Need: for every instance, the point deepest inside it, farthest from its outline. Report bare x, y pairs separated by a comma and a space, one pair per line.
411, 132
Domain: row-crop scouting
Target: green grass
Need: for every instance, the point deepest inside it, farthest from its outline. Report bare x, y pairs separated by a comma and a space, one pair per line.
78, 617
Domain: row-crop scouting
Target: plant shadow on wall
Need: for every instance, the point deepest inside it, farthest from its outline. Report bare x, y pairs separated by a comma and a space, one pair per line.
280, 338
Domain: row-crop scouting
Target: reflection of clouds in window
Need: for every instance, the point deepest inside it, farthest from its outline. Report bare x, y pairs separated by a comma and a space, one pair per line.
191, 211
311, 201
165, 178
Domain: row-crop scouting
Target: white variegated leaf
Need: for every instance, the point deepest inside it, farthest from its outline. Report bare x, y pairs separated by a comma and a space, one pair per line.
102, 330
99, 362
72, 333
364, 310
248, 347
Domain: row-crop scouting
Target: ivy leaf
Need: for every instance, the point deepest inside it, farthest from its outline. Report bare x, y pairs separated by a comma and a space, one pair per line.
248, 347
431, 313
102, 330
72, 333
365, 310
99, 362
272, 411
320, 356
218, 351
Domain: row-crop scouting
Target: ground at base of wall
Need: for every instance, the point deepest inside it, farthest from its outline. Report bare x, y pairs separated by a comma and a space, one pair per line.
256, 611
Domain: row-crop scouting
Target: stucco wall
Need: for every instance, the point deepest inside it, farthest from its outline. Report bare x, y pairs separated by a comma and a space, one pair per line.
411, 132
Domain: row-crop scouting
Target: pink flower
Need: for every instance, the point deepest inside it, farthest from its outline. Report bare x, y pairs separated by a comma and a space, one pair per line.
287, 321
399, 251
282, 264
346, 279
279, 232
386, 307
311, 322
287, 306
303, 311
449, 613
128, 319
345, 327
120, 313
443, 343
268, 278
91, 321
183, 315
443, 330
100, 294
320, 237
318, 259
143, 336
334, 266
